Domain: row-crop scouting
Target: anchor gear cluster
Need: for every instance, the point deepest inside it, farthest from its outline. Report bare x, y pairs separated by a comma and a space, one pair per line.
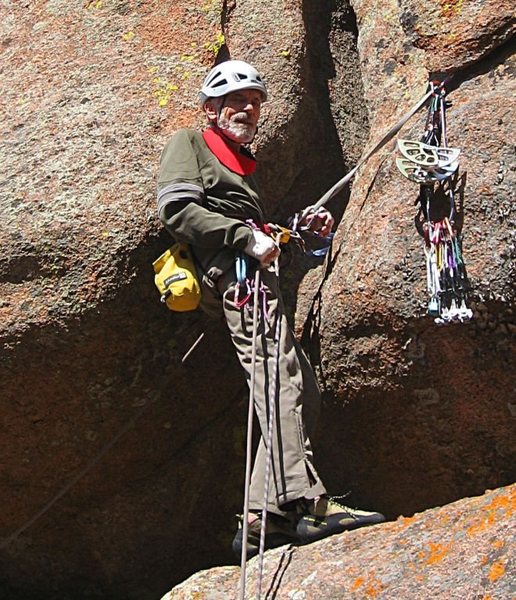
432, 164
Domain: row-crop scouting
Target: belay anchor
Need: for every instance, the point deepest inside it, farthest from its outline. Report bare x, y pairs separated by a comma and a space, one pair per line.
432, 164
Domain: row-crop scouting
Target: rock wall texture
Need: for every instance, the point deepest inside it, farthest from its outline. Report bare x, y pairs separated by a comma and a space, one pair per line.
133, 462
437, 403
462, 550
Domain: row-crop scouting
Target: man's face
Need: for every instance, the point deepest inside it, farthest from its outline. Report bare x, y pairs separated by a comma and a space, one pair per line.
238, 117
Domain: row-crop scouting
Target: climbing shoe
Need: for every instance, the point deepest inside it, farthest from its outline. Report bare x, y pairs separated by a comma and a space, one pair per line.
324, 516
278, 531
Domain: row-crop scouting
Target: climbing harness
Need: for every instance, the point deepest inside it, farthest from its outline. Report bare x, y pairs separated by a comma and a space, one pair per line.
432, 164
243, 262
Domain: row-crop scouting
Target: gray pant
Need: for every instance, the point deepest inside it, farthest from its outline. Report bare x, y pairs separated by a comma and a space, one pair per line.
297, 397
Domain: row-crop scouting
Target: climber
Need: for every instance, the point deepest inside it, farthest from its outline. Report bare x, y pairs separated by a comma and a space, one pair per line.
208, 197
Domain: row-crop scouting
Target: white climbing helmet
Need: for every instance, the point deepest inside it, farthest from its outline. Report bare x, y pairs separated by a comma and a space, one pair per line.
230, 76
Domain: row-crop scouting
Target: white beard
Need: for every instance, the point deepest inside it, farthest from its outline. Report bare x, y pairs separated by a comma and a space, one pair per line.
235, 130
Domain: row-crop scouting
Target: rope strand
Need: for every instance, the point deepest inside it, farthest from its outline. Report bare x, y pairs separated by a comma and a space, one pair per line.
249, 443
270, 435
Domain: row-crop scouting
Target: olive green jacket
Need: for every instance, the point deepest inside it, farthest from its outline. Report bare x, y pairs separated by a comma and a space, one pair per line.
204, 203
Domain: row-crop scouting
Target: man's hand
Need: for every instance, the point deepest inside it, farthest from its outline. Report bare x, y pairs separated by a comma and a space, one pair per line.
319, 221
263, 248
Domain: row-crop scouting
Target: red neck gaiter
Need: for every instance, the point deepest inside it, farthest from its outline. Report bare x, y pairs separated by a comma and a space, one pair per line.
243, 164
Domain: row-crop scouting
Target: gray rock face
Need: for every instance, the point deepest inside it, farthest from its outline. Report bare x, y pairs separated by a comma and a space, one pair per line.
136, 459
462, 550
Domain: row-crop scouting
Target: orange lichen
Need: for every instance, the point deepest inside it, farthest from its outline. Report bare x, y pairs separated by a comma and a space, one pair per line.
359, 582
496, 571
406, 521
444, 519
372, 586
437, 553
501, 507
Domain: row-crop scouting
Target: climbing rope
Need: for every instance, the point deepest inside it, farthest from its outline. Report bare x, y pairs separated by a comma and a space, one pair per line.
337, 187
281, 235
270, 434
249, 442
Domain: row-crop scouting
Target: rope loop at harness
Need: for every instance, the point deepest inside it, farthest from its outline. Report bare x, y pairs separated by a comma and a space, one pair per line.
245, 266
244, 280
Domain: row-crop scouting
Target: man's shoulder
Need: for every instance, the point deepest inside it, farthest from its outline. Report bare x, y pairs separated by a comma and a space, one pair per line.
183, 138
186, 133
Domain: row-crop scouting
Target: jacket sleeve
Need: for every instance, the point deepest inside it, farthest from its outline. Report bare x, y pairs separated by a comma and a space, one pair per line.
180, 201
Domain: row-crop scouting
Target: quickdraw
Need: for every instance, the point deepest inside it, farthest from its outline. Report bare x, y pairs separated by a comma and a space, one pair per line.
432, 164
242, 280
446, 277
